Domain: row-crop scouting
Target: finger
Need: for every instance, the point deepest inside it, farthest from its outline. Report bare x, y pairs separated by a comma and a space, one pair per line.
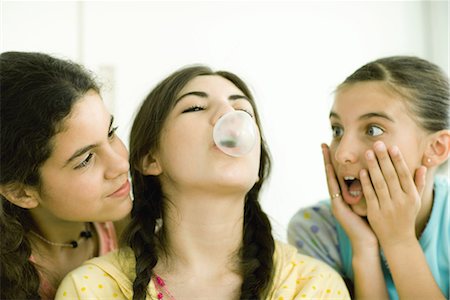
369, 192
405, 177
388, 169
378, 182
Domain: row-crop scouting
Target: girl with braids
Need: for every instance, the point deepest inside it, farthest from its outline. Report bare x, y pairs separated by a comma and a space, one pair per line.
387, 226
197, 229
64, 173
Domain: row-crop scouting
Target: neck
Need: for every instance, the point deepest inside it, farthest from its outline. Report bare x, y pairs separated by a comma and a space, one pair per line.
54, 229
426, 205
203, 233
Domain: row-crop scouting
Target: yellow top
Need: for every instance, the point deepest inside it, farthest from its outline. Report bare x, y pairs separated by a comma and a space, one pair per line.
111, 277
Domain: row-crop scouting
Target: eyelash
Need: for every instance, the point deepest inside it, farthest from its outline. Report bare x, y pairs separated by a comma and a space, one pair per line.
85, 162
194, 108
376, 126
112, 132
247, 111
335, 127
199, 108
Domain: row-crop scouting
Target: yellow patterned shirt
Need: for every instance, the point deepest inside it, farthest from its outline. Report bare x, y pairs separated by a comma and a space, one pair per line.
111, 277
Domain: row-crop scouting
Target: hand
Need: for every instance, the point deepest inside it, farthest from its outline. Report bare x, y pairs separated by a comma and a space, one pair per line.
393, 196
361, 235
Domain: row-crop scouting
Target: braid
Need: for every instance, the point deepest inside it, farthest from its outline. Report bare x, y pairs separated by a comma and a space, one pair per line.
257, 252
141, 236
19, 277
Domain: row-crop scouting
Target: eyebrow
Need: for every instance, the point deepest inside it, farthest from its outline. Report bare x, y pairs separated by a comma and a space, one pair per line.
366, 116
87, 148
205, 95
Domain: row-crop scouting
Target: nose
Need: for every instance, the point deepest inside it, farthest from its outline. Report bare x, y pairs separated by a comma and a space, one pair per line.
116, 160
221, 109
347, 150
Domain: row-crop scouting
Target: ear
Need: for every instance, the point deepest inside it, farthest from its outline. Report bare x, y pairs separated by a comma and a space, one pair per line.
20, 195
438, 149
150, 166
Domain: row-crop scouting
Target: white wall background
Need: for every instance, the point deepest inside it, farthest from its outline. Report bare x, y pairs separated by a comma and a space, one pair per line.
292, 54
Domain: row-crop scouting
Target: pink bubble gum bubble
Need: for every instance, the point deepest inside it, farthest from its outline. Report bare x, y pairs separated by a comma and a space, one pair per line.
235, 133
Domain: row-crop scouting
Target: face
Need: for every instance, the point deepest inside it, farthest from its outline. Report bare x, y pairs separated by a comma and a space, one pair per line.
188, 157
86, 177
363, 113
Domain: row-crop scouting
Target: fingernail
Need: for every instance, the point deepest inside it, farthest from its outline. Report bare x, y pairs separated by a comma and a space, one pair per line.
363, 173
370, 155
379, 146
394, 150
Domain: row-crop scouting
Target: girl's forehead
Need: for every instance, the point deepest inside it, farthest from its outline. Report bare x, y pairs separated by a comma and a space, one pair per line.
369, 96
363, 102
209, 82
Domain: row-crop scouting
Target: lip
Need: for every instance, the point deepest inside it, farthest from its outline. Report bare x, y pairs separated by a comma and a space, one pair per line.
122, 191
348, 198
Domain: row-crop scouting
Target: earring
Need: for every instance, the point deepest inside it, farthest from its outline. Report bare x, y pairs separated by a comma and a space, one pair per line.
428, 160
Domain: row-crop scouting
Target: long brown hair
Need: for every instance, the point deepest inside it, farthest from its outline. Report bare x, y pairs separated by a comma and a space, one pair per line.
256, 254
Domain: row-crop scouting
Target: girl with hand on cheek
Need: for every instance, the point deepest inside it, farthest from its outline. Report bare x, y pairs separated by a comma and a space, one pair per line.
64, 173
197, 229
386, 228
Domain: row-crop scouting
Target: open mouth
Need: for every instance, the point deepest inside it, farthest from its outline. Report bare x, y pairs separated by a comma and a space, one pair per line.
353, 190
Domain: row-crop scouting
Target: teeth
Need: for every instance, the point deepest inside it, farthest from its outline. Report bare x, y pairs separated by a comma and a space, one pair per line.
349, 178
355, 193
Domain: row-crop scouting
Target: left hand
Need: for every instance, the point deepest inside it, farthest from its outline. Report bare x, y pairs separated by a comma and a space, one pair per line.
393, 196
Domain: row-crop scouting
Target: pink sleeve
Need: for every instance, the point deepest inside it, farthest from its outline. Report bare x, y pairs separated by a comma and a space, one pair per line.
107, 237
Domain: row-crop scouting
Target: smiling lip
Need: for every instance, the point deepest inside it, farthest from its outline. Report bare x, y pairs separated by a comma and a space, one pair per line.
122, 191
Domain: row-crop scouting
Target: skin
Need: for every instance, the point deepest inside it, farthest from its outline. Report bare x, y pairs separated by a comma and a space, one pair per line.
78, 186
206, 191
376, 139
81, 187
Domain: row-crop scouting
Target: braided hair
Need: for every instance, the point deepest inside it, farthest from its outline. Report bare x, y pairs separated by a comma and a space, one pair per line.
144, 235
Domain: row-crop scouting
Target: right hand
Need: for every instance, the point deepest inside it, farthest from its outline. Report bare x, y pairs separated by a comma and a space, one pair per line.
361, 235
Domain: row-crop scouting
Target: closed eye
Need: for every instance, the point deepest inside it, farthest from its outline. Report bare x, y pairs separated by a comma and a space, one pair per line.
112, 132
247, 111
194, 108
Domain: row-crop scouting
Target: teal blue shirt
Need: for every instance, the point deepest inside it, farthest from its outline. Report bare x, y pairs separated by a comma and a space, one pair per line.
314, 231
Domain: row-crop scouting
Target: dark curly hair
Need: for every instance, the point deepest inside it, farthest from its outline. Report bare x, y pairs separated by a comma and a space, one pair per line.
37, 92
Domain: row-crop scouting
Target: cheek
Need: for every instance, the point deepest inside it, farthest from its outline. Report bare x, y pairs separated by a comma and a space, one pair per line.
360, 209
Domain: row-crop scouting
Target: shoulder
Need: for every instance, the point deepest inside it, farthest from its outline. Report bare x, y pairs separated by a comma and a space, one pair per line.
440, 214
303, 276
441, 189
104, 277
319, 213
313, 231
